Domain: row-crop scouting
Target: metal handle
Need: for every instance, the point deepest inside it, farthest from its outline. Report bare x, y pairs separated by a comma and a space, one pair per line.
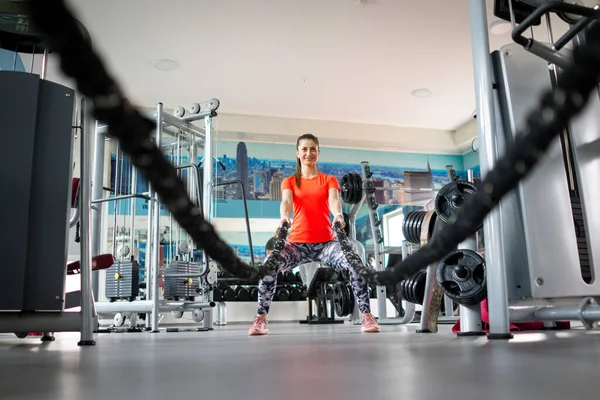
543, 51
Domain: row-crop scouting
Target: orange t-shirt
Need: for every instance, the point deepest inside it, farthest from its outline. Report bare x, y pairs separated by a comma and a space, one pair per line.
312, 221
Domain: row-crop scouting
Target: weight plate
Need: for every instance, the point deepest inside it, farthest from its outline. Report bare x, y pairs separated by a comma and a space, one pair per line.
338, 299
462, 276
352, 299
419, 287
451, 197
358, 190
406, 227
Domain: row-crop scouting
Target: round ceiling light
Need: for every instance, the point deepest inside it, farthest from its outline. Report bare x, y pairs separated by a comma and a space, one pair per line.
165, 64
421, 93
500, 27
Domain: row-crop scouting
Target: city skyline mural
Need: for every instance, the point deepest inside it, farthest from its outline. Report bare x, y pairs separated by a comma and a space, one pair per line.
407, 180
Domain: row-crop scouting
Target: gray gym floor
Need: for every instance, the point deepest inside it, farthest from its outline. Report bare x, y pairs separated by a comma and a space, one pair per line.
301, 362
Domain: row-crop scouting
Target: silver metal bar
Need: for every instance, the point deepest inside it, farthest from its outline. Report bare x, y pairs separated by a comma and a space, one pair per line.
555, 313
207, 200
145, 196
87, 310
97, 194
149, 254
221, 319
179, 175
117, 197
40, 322
197, 117
197, 275
197, 141
470, 316
132, 209
482, 68
146, 306
178, 123
377, 249
74, 218
156, 246
44, 64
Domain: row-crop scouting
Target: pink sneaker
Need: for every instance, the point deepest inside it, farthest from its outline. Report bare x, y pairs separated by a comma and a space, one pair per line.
259, 327
369, 324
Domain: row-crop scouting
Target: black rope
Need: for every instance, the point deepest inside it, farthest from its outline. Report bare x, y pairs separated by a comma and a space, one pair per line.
555, 109
133, 131
79, 61
348, 249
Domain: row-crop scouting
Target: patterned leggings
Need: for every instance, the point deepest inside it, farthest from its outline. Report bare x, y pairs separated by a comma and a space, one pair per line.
295, 254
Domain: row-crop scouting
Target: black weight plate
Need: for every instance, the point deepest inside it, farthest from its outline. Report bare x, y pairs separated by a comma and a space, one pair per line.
356, 188
414, 227
338, 299
413, 286
405, 289
419, 287
406, 227
352, 299
451, 197
345, 188
347, 294
469, 289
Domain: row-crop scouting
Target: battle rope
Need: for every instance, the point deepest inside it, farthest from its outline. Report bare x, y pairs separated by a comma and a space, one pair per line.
543, 125
134, 132
348, 249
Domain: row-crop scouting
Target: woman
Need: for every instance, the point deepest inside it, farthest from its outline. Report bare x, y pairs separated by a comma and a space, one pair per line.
311, 195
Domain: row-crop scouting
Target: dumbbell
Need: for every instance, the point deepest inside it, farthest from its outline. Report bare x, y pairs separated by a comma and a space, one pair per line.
298, 277
290, 277
229, 294
217, 295
222, 285
283, 293
295, 294
254, 293
280, 278
242, 293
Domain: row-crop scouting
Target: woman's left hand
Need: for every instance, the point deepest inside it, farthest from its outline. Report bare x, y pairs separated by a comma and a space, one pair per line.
340, 219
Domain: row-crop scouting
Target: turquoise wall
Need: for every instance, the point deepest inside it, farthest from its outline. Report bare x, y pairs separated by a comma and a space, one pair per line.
7, 61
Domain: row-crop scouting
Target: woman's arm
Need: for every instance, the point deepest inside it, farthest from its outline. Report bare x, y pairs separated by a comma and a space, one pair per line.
287, 206
336, 207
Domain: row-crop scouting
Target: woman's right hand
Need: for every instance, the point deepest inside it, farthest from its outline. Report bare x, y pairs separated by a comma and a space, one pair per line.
283, 220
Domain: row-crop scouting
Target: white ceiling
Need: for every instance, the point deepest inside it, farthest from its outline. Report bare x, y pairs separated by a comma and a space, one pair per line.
333, 60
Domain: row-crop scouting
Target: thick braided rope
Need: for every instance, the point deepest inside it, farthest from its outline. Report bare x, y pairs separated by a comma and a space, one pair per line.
349, 252
544, 123
134, 132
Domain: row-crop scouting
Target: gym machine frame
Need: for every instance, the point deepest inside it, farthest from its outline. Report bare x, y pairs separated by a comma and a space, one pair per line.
528, 282
178, 128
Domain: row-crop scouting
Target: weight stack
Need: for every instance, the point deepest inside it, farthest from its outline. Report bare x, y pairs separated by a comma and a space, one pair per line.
178, 287
123, 280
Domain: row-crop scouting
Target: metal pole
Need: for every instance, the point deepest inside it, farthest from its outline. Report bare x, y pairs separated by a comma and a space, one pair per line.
133, 201
207, 199
156, 245
470, 316
97, 194
87, 310
44, 64
482, 68
180, 175
117, 189
148, 263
